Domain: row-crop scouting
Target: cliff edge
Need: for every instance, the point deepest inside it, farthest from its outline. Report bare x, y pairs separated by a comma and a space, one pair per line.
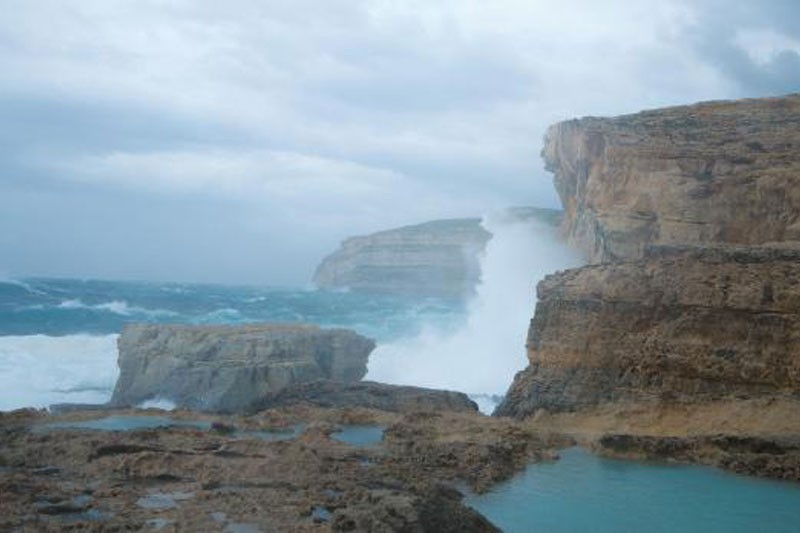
716, 172
690, 310
436, 258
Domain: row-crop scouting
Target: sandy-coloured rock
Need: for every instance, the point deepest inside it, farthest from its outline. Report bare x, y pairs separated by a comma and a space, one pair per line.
681, 340
437, 258
717, 172
227, 368
681, 325
370, 395
193, 478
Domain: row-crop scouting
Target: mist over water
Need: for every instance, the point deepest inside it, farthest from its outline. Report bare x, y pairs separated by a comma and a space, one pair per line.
482, 356
58, 337
38, 370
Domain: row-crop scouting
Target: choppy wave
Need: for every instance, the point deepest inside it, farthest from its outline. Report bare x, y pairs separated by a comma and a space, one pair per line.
21, 284
482, 356
38, 370
119, 307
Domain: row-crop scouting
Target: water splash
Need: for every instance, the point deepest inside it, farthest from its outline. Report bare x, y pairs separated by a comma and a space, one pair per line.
482, 356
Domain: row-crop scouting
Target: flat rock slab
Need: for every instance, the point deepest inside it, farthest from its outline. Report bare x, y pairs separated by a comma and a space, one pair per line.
226, 368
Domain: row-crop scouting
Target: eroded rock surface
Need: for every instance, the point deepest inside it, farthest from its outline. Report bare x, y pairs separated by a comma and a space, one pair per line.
188, 479
691, 218
681, 325
437, 258
368, 394
717, 172
227, 368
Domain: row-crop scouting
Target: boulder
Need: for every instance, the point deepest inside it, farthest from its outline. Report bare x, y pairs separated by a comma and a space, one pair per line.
226, 368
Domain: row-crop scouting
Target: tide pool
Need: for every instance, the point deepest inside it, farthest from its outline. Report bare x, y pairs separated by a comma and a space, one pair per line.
358, 435
582, 492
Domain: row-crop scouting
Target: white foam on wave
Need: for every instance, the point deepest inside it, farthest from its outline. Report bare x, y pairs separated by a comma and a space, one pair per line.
119, 307
482, 356
158, 403
4, 279
38, 370
225, 315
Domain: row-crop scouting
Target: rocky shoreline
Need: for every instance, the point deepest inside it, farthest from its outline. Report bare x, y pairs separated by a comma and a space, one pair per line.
226, 472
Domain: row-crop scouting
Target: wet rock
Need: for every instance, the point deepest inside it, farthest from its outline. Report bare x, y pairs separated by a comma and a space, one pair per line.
367, 394
312, 481
227, 368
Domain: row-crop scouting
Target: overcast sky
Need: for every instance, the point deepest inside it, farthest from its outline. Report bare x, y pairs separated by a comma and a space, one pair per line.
240, 141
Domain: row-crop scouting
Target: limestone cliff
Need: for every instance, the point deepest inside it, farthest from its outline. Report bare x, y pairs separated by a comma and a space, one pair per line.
680, 325
437, 258
718, 172
691, 218
227, 368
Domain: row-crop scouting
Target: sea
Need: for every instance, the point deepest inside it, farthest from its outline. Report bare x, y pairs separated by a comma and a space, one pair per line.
58, 344
58, 336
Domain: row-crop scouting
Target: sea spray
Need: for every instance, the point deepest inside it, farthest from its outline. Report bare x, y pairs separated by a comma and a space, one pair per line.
38, 370
482, 356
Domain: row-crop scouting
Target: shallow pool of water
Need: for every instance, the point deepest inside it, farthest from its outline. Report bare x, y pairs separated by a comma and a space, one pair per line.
583, 492
360, 435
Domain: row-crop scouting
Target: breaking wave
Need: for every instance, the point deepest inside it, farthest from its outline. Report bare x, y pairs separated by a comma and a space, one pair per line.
482, 356
38, 370
119, 307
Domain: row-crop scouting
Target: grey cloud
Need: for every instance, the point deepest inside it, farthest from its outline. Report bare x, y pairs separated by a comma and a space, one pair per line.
140, 137
714, 38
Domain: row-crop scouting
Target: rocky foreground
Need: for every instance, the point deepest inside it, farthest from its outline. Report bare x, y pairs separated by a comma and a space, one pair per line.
215, 474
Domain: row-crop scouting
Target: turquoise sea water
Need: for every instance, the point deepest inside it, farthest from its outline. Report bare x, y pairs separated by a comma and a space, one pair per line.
58, 336
64, 307
57, 344
585, 493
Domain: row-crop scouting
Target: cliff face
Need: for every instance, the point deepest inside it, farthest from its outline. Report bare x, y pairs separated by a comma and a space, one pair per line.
438, 258
227, 368
691, 216
682, 325
719, 172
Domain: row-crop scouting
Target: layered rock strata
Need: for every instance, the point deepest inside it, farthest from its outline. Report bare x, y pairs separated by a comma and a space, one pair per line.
185, 478
437, 258
722, 172
227, 368
681, 325
690, 217
691, 296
